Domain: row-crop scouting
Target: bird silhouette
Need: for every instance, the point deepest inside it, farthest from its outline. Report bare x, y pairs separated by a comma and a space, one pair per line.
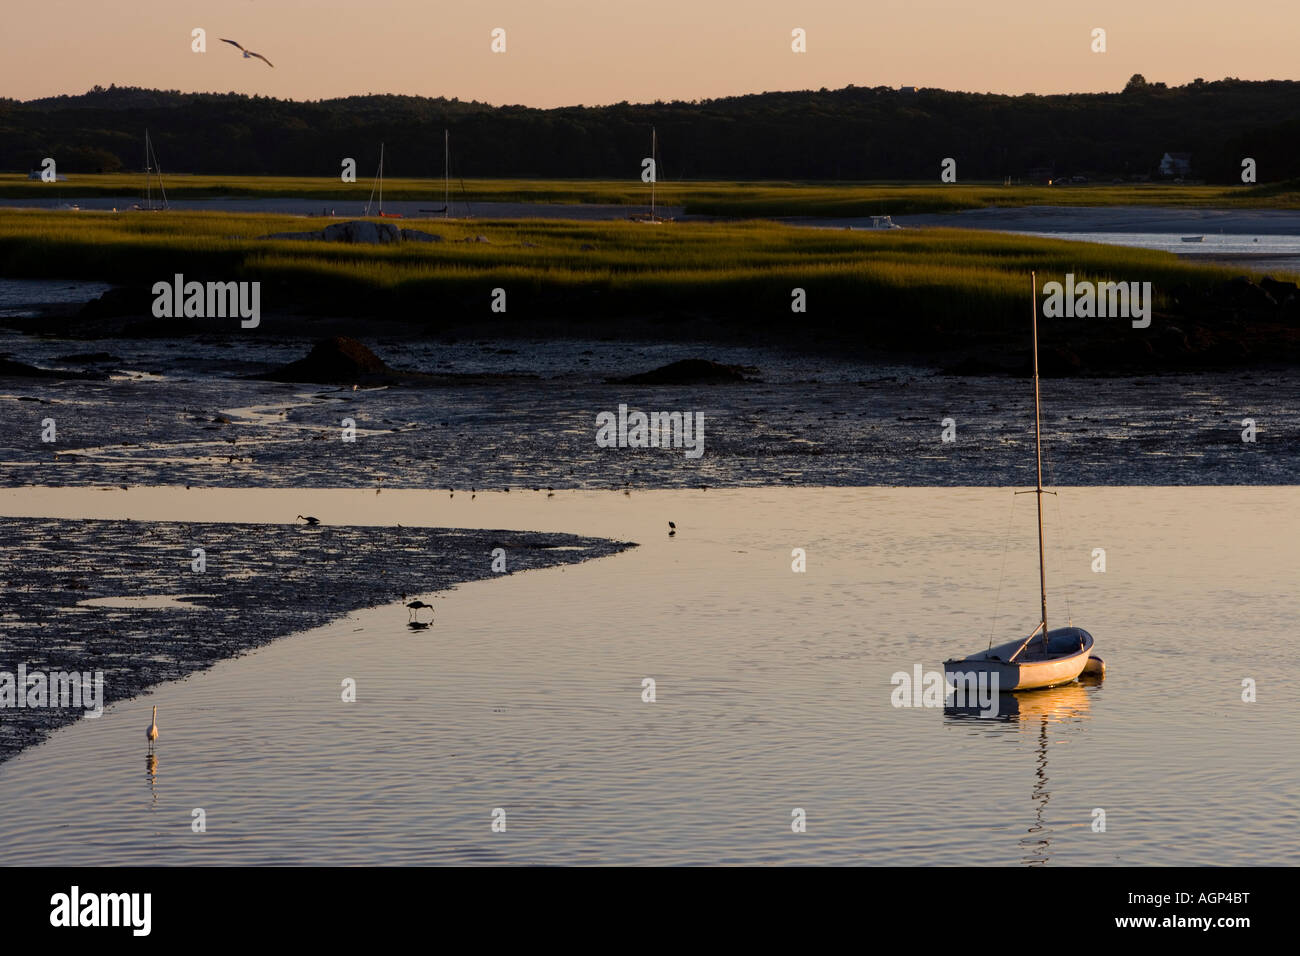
672, 528
415, 607
310, 520
247, 53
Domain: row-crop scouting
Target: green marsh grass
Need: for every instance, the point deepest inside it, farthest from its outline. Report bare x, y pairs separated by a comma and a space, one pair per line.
884, 283
732, 199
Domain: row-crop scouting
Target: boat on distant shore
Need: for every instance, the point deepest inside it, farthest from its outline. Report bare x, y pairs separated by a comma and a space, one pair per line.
654, 175
884, 222
445, 211
152, 170
379, 183
1061, 655
1193, 238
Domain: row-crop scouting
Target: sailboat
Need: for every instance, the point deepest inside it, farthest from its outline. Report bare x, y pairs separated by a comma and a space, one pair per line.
446, 176
654, 176
1058, 656
379, 182
152, 169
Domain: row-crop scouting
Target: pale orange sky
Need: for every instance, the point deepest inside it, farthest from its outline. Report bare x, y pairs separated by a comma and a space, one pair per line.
564, 52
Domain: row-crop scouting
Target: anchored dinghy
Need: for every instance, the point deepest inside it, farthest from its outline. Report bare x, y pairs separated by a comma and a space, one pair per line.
1058, 656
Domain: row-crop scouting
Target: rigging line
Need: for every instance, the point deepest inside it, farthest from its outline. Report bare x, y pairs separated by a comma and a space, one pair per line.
464, 195
1062, 536
374, 182
1006, 540
158, 170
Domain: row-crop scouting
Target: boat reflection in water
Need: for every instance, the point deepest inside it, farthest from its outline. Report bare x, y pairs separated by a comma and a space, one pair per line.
1032, 712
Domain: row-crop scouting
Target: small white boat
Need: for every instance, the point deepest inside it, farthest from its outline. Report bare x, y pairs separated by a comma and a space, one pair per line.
1193, 238
1028, 664
1059, 656
883, 222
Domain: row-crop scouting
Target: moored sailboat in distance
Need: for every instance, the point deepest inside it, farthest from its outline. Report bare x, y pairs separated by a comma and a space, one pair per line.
152, 169
1058, 656
654, 176
446, 176
379, 182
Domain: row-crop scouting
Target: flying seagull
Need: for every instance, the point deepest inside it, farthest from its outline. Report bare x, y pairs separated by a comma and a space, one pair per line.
248, 53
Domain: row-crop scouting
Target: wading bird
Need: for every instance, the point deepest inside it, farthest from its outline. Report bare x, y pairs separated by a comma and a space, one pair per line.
152, 732
415, 608
310, 520
248, 53
672, 528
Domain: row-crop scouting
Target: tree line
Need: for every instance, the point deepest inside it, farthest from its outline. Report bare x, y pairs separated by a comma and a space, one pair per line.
855, 133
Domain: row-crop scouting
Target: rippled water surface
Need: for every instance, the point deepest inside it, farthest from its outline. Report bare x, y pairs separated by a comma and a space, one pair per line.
773, 692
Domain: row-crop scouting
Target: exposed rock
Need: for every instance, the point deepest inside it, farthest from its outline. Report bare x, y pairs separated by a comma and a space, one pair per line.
1280, 291
11, 369
360, 231
335, 361
415, 235
119, 301
370, 233
689, 372
1243, 293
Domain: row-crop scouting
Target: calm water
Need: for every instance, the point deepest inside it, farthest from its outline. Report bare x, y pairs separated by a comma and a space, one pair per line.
773, 693
1210, 244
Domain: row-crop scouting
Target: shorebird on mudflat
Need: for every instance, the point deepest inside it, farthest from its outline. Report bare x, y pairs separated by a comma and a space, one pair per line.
414, 609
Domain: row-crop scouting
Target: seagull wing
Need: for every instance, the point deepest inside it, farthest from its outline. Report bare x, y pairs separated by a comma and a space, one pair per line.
262, 58
232, 43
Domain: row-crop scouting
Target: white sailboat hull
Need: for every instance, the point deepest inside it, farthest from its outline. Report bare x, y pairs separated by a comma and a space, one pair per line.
1063, 660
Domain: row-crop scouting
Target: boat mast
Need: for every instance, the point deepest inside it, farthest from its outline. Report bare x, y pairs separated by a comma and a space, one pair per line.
654, 169
148, 182
1038, 448
381, 182
446, 173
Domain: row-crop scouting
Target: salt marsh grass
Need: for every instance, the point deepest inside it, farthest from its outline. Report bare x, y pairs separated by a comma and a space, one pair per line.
738, 199
569, 268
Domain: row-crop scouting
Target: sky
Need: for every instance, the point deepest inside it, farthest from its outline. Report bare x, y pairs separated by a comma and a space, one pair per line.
568, 52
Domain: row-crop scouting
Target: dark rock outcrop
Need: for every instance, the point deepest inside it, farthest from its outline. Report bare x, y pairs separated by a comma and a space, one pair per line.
689, 372
359, 231
335, 361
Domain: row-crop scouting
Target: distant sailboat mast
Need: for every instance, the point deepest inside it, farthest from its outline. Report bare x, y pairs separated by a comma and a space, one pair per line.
377, 184
654, 168
446, 173
150, 166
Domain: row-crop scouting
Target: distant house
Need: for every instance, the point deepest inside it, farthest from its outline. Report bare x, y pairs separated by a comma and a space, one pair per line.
907, 89
1042, 175
1176, 164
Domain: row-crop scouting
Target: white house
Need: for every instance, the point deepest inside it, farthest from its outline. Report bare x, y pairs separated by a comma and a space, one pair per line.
1176, 164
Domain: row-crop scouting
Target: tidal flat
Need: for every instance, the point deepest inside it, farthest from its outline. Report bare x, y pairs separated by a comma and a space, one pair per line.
524, 416
124, 597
